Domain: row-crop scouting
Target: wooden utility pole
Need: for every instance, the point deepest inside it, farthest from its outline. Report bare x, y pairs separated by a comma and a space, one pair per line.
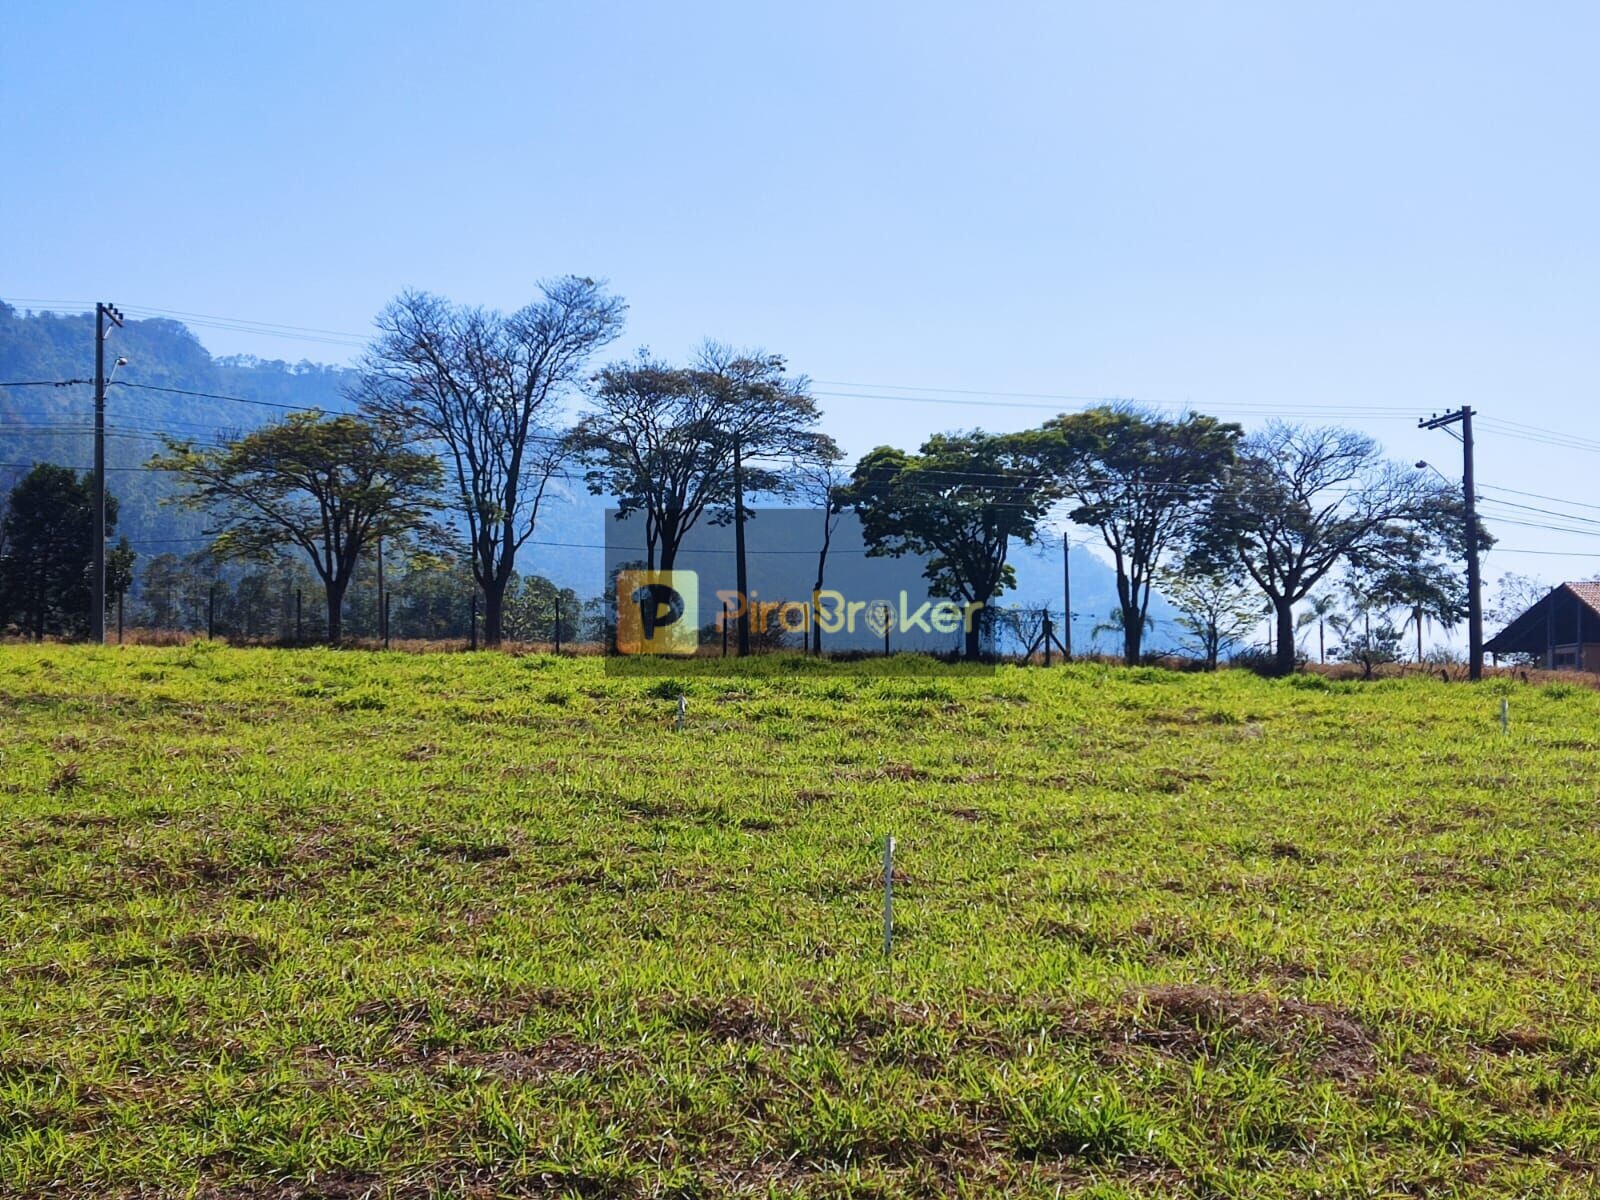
97, 615
1469, 494
1066, 595
383, 602
742, 582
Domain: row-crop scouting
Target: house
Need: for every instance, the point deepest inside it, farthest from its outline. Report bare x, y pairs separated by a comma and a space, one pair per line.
1562, 631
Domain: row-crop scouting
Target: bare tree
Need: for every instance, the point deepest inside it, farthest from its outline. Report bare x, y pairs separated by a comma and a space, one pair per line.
1302, 500
1514, 595
825, 486
489, 388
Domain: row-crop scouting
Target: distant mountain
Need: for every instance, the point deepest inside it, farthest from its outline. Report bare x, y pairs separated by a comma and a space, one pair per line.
55, 425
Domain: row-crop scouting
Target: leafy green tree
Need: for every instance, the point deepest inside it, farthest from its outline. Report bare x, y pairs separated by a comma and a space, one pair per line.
433, 596
662, 440
962, 500
119, 571
1428, 591
47, 552
326, 486
1371, 645
1142, 480
532, 607
1301, 501
1216, 611
488, 388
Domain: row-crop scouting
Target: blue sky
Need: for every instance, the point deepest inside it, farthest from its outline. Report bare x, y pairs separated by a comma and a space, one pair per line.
1356, 212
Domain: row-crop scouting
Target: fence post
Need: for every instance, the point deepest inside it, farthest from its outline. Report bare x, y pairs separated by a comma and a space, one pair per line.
888, 895
472, 636
386, 620
211, 613
558, 623
1047, 635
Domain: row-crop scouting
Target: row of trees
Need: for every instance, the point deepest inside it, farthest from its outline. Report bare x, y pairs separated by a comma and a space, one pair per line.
461, 432
1189, 500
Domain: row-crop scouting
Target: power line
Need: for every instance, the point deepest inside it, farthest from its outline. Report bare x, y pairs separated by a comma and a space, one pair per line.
154, 387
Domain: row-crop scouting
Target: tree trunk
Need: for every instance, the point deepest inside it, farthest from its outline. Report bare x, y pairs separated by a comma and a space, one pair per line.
1132, 637
1283, 662
494, 608
335, 593
1322, 643
974, 646
822, 566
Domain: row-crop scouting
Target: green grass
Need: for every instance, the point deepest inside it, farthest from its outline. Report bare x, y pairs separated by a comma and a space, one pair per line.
329, 924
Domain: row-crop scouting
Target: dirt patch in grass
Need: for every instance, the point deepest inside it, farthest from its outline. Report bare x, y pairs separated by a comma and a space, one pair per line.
1521, 1040
68, 777
328, 1185
81, 820
221, 951
1189, 1020
902, 773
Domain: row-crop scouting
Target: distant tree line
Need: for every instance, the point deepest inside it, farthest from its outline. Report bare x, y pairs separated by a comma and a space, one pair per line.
466, 420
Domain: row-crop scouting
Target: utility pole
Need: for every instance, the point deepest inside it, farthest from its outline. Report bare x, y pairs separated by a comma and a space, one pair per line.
743, 578
1066, 592
383, 602
97, 617
1469, 494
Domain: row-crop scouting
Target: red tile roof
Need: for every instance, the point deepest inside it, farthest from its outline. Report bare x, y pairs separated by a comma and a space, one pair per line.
1589, 593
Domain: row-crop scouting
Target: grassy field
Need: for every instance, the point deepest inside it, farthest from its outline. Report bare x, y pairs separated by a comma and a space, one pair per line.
332, 924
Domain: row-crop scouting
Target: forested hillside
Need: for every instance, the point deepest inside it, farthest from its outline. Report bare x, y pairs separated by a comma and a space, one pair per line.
55, 424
